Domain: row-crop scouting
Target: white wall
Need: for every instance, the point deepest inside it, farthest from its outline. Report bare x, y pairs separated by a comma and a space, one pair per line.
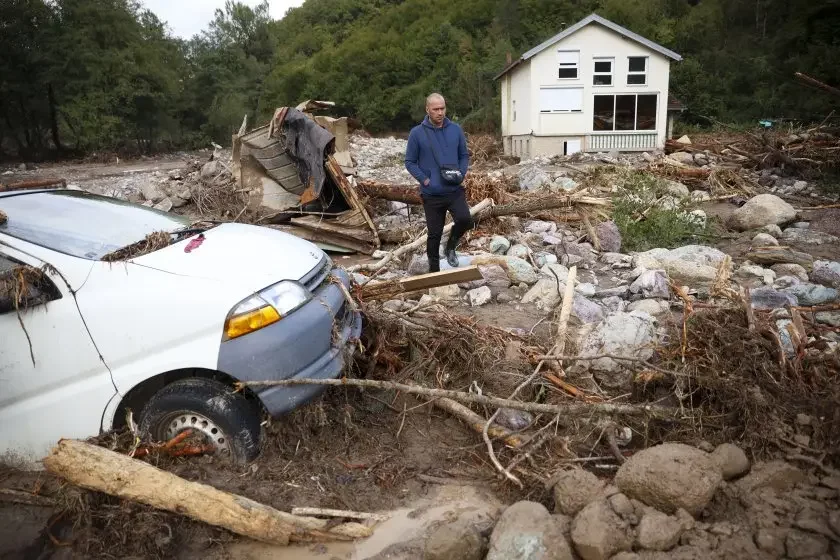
520, 92
594, 41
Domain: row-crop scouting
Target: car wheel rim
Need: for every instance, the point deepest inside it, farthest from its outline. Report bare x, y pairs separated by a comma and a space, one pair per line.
176, 423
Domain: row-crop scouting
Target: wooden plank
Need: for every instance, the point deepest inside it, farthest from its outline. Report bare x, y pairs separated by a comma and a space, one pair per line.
324, 237
350, 195
279, 161
442, 278
320, 224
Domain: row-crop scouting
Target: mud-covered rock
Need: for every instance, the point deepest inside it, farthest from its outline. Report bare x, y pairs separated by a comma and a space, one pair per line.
658, 531
778, 475
455, 541
598, 532
526, 531
732, 460
574, 489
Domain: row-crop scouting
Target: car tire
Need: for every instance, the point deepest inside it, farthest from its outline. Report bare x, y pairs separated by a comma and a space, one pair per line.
227, 419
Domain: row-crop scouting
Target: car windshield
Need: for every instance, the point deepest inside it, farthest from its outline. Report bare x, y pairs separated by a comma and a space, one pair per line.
82, 224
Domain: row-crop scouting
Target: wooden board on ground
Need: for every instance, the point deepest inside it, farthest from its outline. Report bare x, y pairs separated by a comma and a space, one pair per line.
386, 290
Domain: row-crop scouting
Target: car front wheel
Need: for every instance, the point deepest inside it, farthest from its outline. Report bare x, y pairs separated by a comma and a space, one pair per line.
227, 422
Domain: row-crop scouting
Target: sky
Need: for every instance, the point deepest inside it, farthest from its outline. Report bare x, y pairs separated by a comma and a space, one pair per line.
185, 18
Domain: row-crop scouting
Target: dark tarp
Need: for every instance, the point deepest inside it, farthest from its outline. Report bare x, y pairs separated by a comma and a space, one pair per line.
308, 144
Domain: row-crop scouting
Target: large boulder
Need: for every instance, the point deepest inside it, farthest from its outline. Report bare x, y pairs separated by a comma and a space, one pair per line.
455, 541
762, 210
796, 270
692, 265
533, 178
526, 531
575, 488
808, 236
621, 334
669, 477
598, 532
812, 294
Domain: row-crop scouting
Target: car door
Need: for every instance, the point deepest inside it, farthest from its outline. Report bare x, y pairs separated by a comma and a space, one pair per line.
53, 383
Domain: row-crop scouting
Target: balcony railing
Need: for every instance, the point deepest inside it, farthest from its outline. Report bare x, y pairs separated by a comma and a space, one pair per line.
629, 141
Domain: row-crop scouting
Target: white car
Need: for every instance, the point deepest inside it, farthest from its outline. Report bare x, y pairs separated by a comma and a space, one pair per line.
160, 337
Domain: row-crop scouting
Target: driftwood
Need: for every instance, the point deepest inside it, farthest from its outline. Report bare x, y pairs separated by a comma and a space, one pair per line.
338, 513
388, 191
27, 498
102, 470
476, 422
393, 288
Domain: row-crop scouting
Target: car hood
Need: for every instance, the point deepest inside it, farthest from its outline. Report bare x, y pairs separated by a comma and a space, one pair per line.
252, 256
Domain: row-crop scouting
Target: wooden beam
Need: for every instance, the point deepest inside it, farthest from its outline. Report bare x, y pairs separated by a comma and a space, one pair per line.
387, 290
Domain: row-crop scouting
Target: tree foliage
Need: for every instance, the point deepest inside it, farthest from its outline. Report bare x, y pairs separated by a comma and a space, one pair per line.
87, 75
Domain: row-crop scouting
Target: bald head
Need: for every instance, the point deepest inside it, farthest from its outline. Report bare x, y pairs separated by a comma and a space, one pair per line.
436, 109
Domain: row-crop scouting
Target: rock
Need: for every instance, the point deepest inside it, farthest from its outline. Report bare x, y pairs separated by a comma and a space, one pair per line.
826, 273
420, 265
812, 294
684, 140
575, 488
808, 237
650, 306
587, 311
649, 259
451, 292
764, 240
532, 178
697, 218
520, 251
151, 192
479, 296
814, 522
565, 183
210, 169
520, 271
677, 189
768, 298
537, 226
614, 303
455, 541
544, 294
598, 532
830, 318
609, 236
526, 531
683, 157
514, 419
800, 544
732, 460
801, 225
769, 541
700, 254
549, 239
622, 505
762, 210
754, 275
778, 255
694, 265
615, 258
494, 275
773, 230
505, 297
795, 270
778, 475
177, 201
618, 291
586, 289
652, 284
658, 531
164, 205
621, 334
670, 476
700, 196
499, 245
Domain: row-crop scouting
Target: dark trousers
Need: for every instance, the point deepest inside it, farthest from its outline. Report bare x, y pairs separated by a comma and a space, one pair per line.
435, 208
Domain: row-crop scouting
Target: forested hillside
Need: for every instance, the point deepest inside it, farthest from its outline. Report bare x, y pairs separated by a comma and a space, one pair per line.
84, 75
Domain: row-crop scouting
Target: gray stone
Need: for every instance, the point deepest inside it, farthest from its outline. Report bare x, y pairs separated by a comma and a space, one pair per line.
210, 169
622, 334
800, 544
514, 419
532, 178
550, 239
677, 189
151, 192
622, 505
565, 183
812, 294
177, 201
762, 210
520, 271
587, 311
808, 237
586, 289
544, 294
693, 265
575, 488
518, 250
658, 531
618, 291
768, 298
778, 255
446, 293
539, 226
770, 541
554, 271
700, 254
683, 157
700, 196
649, 259
542, 259
826, 273
164, 205
732, 460
494, 275
650, 306
789, 269
455, 541
669, 477
830, 318
479, 296
499, 245
801, 225
696, 218
764, 240
786, 282
754, 275
778, 475
526, 531
615, 258
598, 532
609, 236
614, 303
652, 284
773, 230
505, 297
419, 265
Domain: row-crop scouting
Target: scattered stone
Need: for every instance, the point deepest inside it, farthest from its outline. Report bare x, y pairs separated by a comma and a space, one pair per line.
598, 532
455, 541
658, 531
830, 318
800, 544
614, 303
694, 265
615, 258
652, 284
621, 334
445, 293
526, 531
764, 240
754, 275
549, 239
609, 236
542, 259
538, 226
803, 420
574, 489
532, 178
812, 294
587, 311
210, 169
622, 505
618, 291
677, 189
778, 255
565, 183
586, 289
649, 259
494, 275
420, 265
762, 210
514, 419
479, 296
773, 230
778, 475
808, 237
826, 273
499, 245
770, 541
786, 282
683, 157
544, 294
700, 196
789, 269
650, 306
520, 271
151, 192
768, 298
698, 218
801, 225
520, 251
670, 476
505, 297
732, 460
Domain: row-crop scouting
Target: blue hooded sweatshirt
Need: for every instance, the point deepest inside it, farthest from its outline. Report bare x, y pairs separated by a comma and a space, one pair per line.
450, 146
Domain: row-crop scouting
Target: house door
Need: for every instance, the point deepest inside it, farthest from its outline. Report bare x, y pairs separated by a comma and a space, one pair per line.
572, 147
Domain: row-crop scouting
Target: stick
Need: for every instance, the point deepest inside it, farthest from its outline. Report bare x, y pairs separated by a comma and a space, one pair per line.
476, 422
576, 409
27, 498
102, 470
455, 481
565, 311
338, 513
417, 243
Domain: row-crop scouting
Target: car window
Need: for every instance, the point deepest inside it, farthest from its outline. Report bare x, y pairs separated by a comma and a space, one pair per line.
22, 286
82, 224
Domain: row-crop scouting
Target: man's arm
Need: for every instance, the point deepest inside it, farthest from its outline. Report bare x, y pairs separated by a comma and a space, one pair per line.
463, 153
412, 154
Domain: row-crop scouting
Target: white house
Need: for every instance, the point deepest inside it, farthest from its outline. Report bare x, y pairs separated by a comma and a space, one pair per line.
595, 86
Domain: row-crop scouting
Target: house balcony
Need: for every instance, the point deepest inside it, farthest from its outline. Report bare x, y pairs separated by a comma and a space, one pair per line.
621, 141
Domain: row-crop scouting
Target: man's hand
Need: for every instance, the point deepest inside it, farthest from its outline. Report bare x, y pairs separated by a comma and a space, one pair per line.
426, 182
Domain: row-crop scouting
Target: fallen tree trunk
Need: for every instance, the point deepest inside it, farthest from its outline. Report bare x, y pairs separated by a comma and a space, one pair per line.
100, 469
387, 191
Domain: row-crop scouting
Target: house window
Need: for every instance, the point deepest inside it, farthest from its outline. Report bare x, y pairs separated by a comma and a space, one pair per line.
561, 100
637, 70
624, 112
603, 72
567, 63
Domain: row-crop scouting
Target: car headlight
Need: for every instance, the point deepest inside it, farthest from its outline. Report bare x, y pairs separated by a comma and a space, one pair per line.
267, 307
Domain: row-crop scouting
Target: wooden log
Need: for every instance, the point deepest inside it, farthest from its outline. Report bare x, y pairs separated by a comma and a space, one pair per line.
31, 184
386, 191
102, 470
476, 422
388, 290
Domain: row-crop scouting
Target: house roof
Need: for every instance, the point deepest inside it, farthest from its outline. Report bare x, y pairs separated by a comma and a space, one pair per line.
592, 18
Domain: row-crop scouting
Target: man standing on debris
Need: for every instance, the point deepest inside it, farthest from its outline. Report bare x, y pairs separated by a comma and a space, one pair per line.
437, 157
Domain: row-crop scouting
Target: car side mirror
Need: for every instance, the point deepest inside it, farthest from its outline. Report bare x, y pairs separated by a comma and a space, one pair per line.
23, 287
